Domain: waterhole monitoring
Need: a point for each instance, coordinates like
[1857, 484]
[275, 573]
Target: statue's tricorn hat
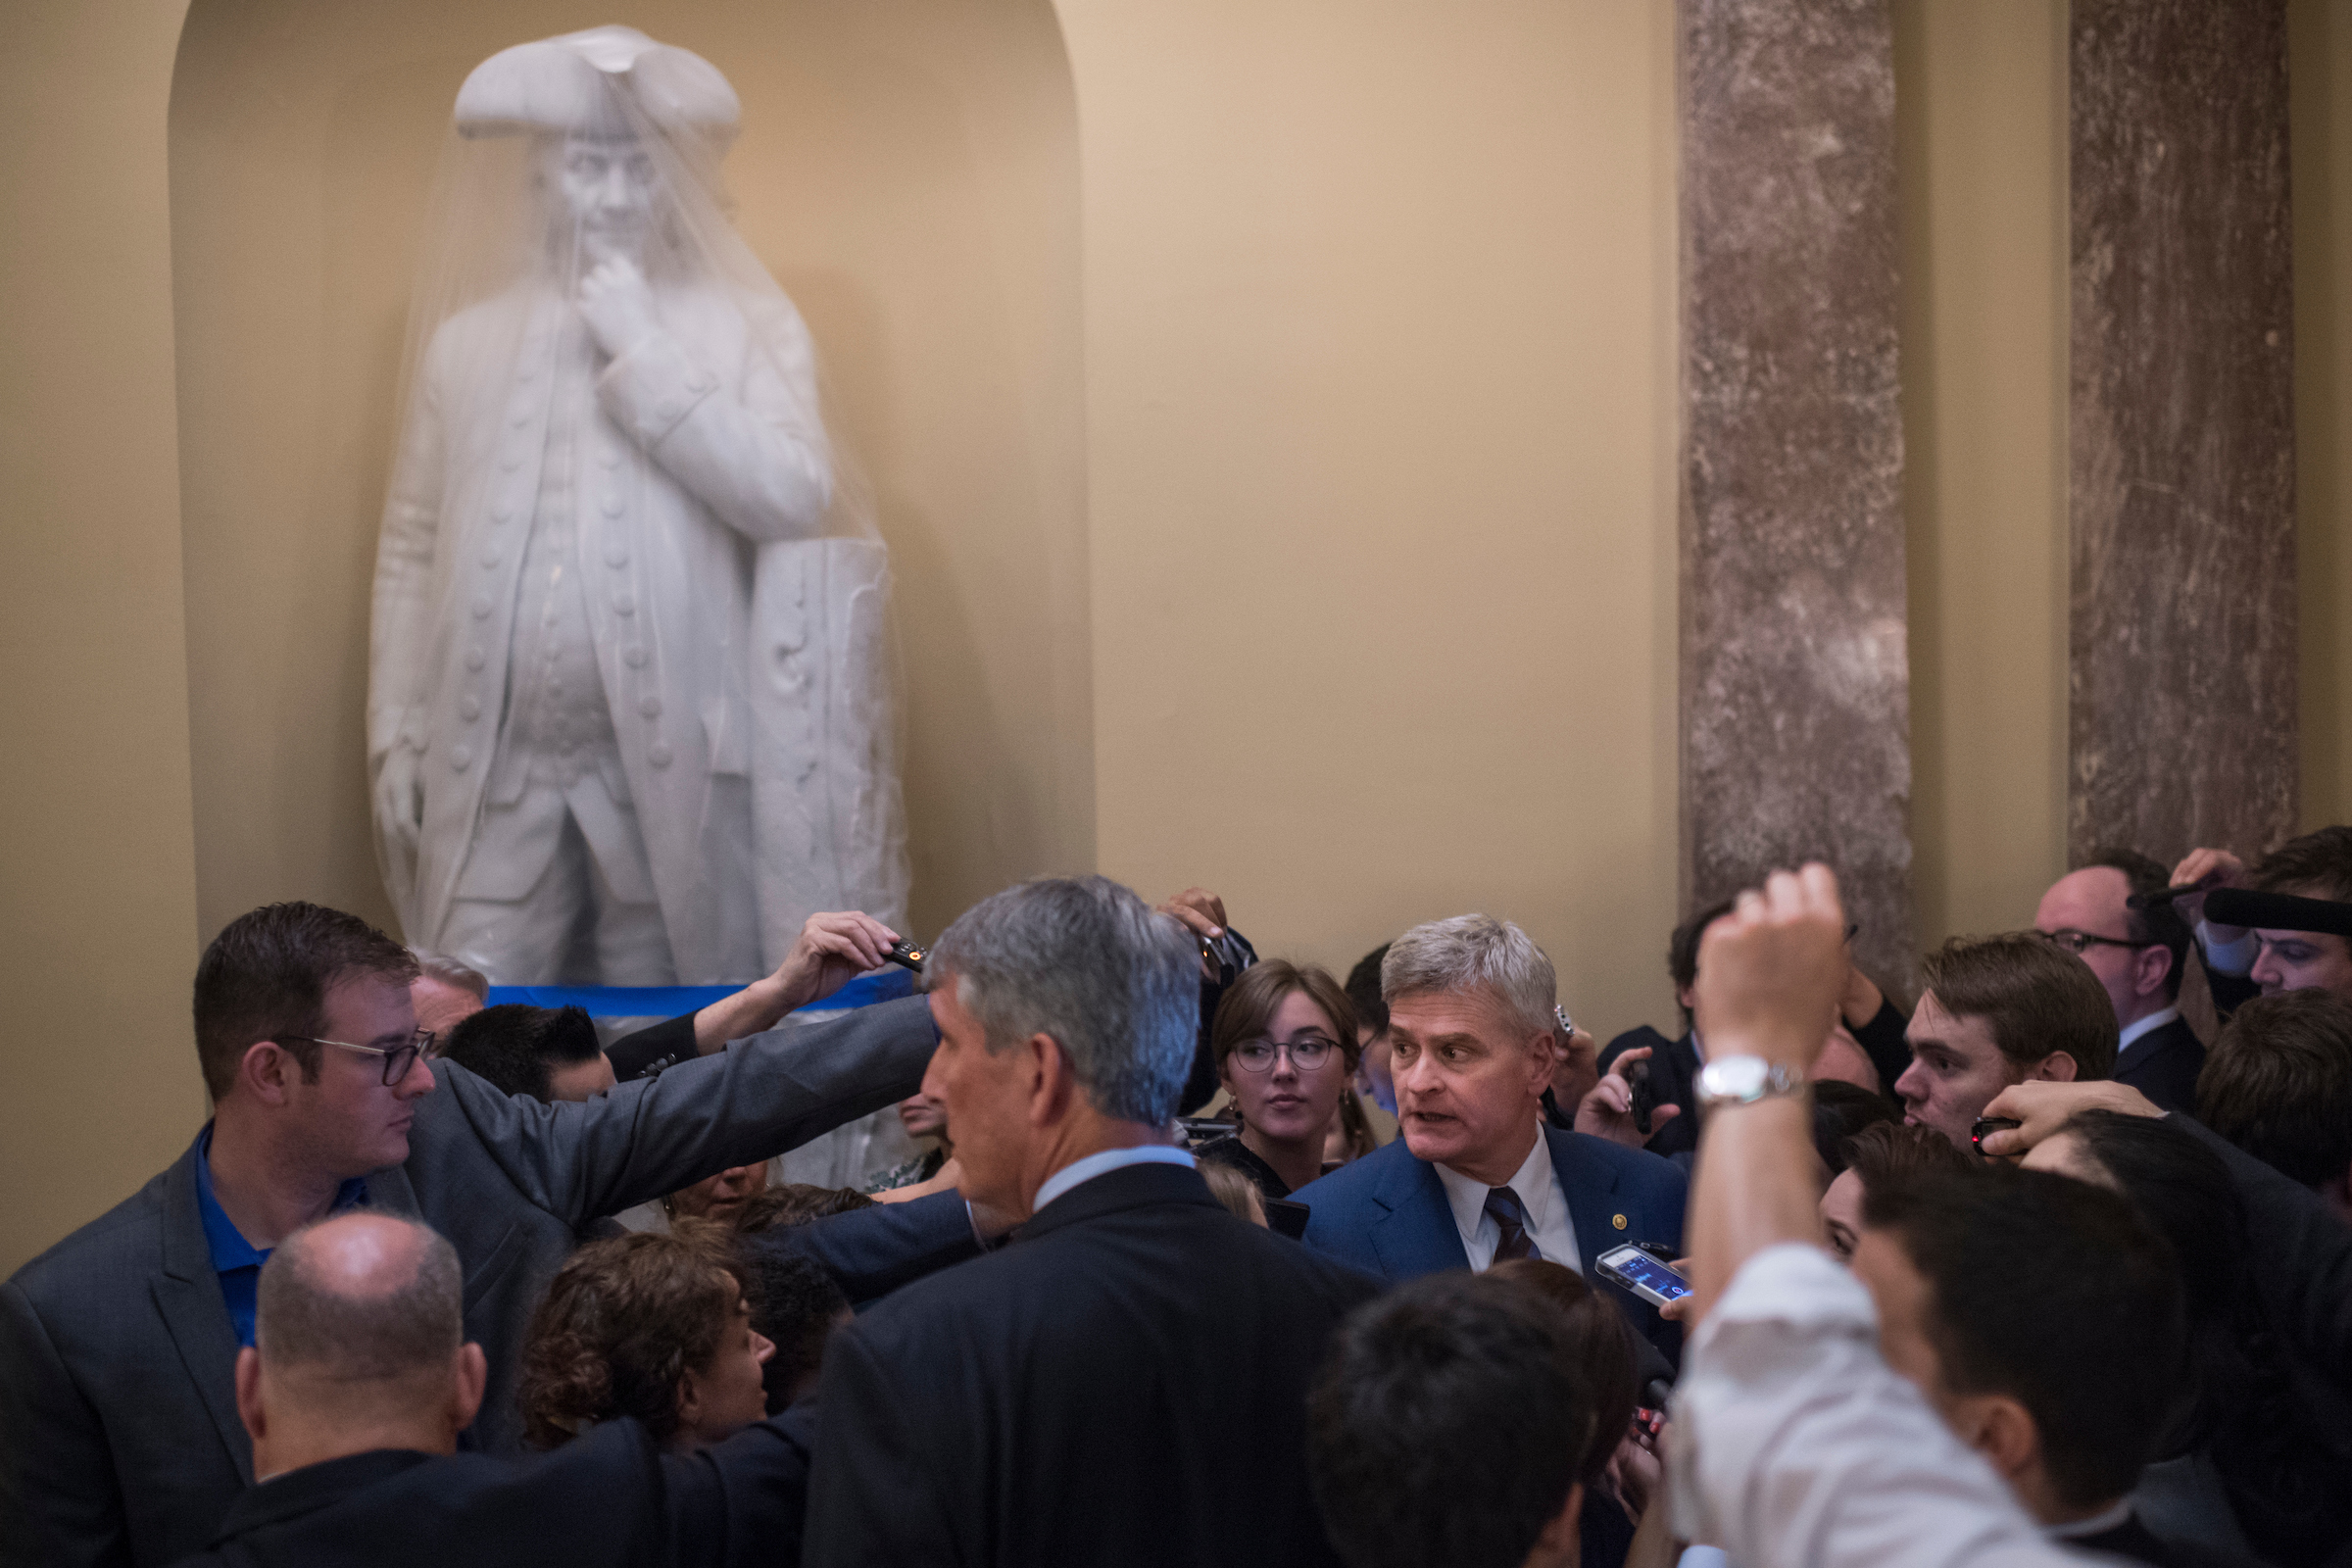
[571, 84]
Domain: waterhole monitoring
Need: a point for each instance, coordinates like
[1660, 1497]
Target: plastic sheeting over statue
[630, 717]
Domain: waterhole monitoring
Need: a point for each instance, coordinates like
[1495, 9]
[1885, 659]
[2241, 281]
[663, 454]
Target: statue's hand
[399, 795]
[617, 306]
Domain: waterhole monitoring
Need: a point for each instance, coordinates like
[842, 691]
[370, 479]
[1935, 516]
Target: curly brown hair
[624, 1322]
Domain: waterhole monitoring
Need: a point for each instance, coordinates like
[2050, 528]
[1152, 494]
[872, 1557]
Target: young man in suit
[1477, 1176]
[2138, 956]
[118, 1346]
[355, 1391]
[1125, 1381]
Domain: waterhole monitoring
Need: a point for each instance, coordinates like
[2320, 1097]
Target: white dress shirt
[1795, 1443]
[1538, 1185]
[2153, 1021]
[1109, 1159]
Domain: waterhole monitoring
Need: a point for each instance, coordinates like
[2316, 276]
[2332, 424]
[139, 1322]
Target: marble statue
[630, 717]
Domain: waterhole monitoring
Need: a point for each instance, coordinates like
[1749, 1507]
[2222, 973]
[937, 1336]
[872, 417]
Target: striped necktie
[1510, 1218]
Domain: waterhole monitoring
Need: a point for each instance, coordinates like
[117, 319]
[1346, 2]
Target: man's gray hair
[452, 972]
[1086, 962]
[1474, 953]
[308, 1322]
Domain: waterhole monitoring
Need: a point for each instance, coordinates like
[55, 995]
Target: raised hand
[832, 950]
[1202, 914]
[1770, 972]
[1609, 1110]
[2205, 870]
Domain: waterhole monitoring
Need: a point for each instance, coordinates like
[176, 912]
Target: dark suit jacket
[1125, 1383]
[1386, 1214]
[118, 1434]
[2305, 1277]
[607, 1498]
[2163, 1064]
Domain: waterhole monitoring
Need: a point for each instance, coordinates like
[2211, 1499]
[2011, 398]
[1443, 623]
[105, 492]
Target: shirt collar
[1467, 1196]
[1109, 1159]
[228, 1246]
[2098, 1524]
[2148, 1025]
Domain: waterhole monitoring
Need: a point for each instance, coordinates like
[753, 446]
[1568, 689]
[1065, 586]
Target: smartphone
[1642, 1274]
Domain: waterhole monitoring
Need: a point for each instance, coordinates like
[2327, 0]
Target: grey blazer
[119, 1442]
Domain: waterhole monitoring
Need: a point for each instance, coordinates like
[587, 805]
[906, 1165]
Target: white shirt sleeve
[1795, 1443]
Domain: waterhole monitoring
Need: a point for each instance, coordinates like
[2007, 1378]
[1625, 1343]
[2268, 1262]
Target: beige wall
[98, 920]
[1980, 147]
[908, 171]
[1271, 409]
[1380, 305]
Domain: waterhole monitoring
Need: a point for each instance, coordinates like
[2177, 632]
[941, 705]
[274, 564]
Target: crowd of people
[2034, 1271]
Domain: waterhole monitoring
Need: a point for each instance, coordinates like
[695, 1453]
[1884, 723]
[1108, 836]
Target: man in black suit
[2102, 913]
[119, 1442]
[1124, 1382]
[355, 1394]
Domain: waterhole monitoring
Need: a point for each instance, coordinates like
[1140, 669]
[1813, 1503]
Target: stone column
[1795, 675]
[2181, 656]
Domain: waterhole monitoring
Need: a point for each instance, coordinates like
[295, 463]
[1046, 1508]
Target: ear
[2002, 1430]
[1052, 1085]
[1543, 1058]
[472, 1373]
[1562, 1537]
[2058, 1067]
[2150, 967]
[268, 1071]
[249, 1394]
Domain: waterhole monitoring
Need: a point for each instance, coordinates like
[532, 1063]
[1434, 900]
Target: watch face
[1735, 1077]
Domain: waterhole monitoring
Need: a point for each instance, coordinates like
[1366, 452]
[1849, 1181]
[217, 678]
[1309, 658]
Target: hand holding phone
[1644, 1275]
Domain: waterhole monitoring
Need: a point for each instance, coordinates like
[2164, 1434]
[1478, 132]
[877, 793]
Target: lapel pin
[1617, 1221]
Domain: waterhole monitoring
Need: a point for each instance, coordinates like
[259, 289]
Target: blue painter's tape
[668, 1001]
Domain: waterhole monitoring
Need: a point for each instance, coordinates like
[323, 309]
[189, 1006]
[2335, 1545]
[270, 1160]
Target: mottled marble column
[2181, 657]
[1796, 676]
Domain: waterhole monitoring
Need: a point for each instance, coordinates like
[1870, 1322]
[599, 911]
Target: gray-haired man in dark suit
[119, 1442]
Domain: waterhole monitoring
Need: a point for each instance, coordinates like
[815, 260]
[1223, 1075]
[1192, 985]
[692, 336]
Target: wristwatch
[1745, 1080]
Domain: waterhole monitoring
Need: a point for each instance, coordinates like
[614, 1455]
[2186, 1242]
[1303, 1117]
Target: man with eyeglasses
[119, 1441]
[2109, 914]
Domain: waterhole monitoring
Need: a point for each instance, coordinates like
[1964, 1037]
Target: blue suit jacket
[1386, 1214]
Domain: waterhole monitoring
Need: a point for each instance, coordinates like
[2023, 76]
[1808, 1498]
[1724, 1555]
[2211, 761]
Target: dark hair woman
[1284, 1040]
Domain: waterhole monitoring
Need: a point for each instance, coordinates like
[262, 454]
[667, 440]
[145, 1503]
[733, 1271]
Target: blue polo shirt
[235, 1259]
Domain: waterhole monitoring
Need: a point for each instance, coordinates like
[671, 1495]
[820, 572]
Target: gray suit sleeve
[754, 1100]
[872, 1252]
[60, 1503]
[2305, 1275]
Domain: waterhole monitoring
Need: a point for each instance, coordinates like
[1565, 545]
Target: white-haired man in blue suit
[1478, 1177]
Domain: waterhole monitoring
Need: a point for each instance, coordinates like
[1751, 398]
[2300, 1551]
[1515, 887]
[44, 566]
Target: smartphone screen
[1642, 1269]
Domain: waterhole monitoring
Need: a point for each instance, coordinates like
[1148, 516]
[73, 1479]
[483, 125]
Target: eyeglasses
[398, 1059]
[1306, 1055]
[2079, 943]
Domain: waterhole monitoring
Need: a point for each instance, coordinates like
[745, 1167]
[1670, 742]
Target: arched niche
[908, 170]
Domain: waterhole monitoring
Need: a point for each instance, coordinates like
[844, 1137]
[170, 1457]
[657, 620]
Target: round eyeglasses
[1306, 1053]
[398, 1059]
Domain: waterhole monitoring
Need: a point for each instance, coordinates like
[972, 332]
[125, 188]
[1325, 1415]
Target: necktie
[1510, 1218]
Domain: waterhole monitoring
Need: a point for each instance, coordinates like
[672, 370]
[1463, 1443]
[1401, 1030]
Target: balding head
[358, 1336]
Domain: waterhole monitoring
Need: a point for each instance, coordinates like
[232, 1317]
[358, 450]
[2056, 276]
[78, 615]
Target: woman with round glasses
[1284, 1045]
